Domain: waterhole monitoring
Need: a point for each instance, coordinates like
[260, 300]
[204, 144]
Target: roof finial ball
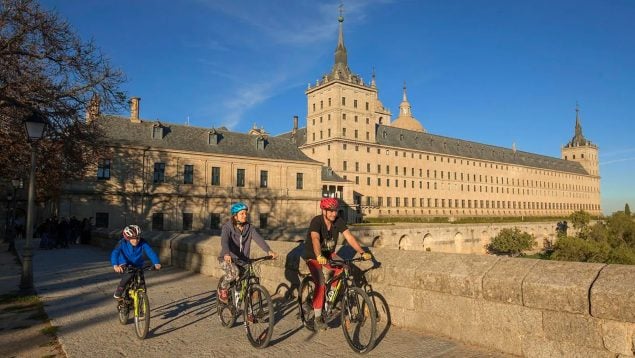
[341, 17]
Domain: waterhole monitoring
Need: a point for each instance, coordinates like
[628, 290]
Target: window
[343, 101]
[187, 221]
[157, 221]
[355, 103]
[240, 177]
[264, 178]
[103, 169]
[188, 174]
[263, 220]
[214, 221]
[101, 220]
[157, 132]
[215, 175]
[299, 181]
[159, 173]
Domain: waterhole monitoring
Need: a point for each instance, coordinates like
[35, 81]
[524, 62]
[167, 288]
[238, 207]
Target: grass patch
[51, 330]
[12, 298]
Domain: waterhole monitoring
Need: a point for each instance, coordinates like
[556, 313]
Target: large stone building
[396, 168]
[174, 177]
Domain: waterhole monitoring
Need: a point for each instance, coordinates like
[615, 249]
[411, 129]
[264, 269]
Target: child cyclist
[236, 236]
[129, 251]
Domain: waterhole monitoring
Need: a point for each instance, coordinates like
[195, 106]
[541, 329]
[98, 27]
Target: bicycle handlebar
[344, 261]
[251, 261]
[130, 268]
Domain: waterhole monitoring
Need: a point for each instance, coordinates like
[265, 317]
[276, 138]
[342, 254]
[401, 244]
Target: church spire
[578, 138]
[404, 107]
[340, 69]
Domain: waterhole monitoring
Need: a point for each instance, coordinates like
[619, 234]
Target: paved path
[76, 285]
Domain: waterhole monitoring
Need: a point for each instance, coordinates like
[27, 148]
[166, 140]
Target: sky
[496, 72]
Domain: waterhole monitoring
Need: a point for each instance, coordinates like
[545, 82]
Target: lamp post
[35, 125]
[16, 184]
[8, 220]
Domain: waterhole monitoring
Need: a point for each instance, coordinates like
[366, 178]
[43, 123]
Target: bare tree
[48, 70]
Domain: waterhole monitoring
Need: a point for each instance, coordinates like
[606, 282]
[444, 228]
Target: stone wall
[524, 307]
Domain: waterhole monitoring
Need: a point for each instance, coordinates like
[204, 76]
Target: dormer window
[157, 131]
[213, 137]
[261, 142]
[401, 137]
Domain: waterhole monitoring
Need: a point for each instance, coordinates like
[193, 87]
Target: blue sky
[490, 71]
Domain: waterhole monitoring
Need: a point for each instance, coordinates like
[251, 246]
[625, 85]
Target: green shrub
[511, 242]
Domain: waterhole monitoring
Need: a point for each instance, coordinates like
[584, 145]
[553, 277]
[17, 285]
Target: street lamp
[35, 125]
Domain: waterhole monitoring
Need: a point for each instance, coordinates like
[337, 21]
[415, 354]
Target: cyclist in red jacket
[319, 246]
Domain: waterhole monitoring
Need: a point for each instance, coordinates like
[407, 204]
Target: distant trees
[511, 242]
[627, 210]
[47, 70]
[609, 241]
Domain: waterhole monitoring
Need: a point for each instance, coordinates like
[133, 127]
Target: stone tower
[341, 110]
[581, 150]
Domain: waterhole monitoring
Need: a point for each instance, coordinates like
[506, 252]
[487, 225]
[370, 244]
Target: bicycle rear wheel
[226, 311]
[359, 320]
[305, 302]
[258, 316]
[142, 317]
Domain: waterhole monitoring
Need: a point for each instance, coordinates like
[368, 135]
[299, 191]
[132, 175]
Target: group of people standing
[237, 234]
[60, 233]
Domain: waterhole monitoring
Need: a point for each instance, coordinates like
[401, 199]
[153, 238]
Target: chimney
[134, 109]
[295, 124]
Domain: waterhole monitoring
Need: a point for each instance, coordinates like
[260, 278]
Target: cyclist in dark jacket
[129, 251]
[236, 237]
[319, 247]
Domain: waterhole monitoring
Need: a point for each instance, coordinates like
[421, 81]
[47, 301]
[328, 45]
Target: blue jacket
[126, 254]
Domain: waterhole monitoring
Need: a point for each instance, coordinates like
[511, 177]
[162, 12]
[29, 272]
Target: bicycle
[136, 297]
[258, 316]
[356, 310]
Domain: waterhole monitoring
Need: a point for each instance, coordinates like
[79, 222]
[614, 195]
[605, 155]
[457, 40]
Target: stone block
[456, 274]
[504, 326]
[503, 283]
[402, 297]
[582, 330]
[536, 347]
[619, 337]
[560, 286]
[613, 293]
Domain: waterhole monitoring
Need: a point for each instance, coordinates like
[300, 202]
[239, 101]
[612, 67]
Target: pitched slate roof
[329, 175]
[407, 139]
[121, 131]
[402, 138]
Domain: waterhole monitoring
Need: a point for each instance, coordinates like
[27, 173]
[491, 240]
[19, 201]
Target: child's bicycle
[342, 297]
[136, 299]
[257, 310]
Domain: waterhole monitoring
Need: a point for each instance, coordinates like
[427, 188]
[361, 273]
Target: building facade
[398, 169]
[174, 177]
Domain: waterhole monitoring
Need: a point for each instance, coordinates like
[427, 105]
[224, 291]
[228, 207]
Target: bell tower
[581, 150]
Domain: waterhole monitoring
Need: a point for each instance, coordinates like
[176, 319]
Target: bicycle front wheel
[226, 311]
[359, 320]
[142, 315]
[258, 315]
[122, 308]
[305, 302]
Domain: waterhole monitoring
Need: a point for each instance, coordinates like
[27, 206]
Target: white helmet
[131, 232]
